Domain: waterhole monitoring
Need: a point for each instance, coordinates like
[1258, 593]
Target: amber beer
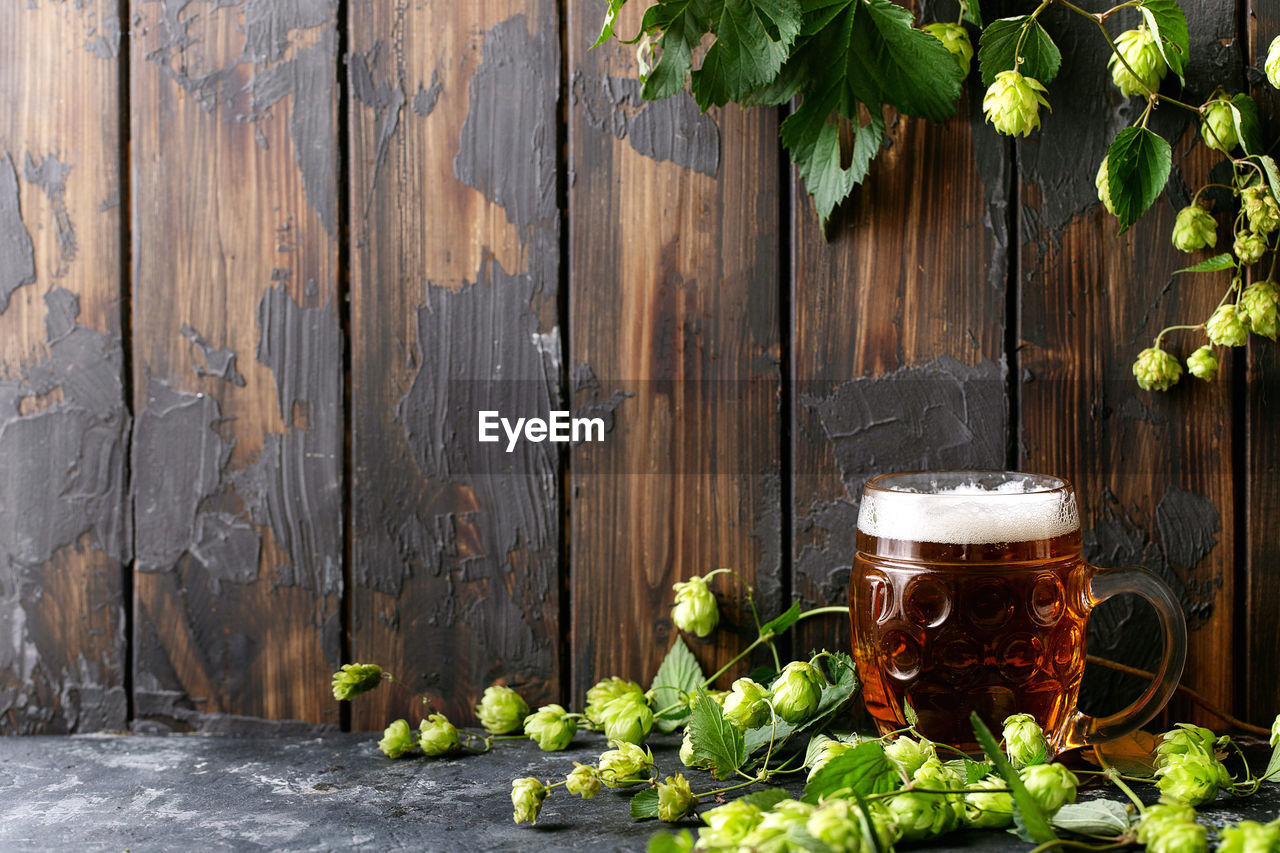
[969, 593]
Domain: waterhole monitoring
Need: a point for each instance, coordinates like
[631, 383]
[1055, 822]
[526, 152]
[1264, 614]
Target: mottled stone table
[193, 792]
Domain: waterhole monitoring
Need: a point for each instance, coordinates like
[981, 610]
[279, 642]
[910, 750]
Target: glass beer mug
[969, 593]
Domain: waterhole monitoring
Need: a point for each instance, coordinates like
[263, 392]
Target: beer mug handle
[1103, 584]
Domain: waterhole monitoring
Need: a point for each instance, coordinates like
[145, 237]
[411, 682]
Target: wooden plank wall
[262, 263]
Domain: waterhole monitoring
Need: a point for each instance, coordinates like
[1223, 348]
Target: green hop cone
[1192, 779]
[695, 610]
[354, 679]
[605, 692]
[1050, 785]
[686, 750]
[1024, 741]
[746, 707]
[837, 823]
[829, 750]
[1225, 328]
[1142, 53]
[1249, 247]
[955, 38]
[727, 825]
[1258, 304]
[437, 736]
[776, 825]
[1272, 65]
[1275, 731]
[797, 690]
[985, 808]
[1203, 364]
[583, 782]
[1249, 836]
[675, 798]
[1184, 739]
[921, 816]
[397, 740]
[1194, 229]
[1261, 209]
[527, 795]
[625, 765]
[550, 727]
[1179, 837]
[501, 710]
[628, 719]
[1102, 182]
[908, 754]
[1012, 103]
[1156, 370]
[1219, 126]
[1155, 817]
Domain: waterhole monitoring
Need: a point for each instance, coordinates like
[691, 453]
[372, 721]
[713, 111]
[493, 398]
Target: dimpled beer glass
[969, 593]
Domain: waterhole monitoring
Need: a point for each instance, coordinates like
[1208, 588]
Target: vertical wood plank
[898, 336]
[1261, 581]
[1153, 471]
[674, 296]
[237, 451]
[64, 424]
[455, 282]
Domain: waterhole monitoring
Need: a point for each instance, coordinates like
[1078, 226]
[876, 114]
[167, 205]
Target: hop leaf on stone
[397, 740]
[1012, 103]
[1141, 53]
[354, 679]
[695, 610]
[527, 795]
[501, 710]
[1156, 370]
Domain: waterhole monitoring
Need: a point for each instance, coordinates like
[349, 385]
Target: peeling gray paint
[103, 39]
[220, 363]
[943, 414]
[507, 147]
[669, 129]
[295, 485]
[424, 100]
[587, 402]
[17, 254]
[268, 24]
[386, 99]
[50, 175]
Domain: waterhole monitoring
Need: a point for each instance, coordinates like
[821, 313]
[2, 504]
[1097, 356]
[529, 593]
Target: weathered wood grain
[1261, 581]
[64, 423]
[1153, 471]
[455, 282]
[898, 336]
[237, 450]
[675, 252]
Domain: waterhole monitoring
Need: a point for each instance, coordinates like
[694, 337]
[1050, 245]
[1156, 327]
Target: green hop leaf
[828, 750]
[1012, 103]
[625, 765]
[610, 18]
[397, 740]
[527, 795]
[1050, 785]
[797, 690]
[1219, 126]
[1156, 370]
[955, 38]
[1203, 364]
[354, 679]
[752, 42]
[1249, 836]
[1261, 208]
[1166, 19]
[550, 728]
[1140, 49]
[695, 610]
[1225, 329]
[583, 781]
[674, 682]
[715, 743]
[1272, 64]
[683, 24]
[1195, 228]
[1024, 741]
[675, 798]
[501, 710]
[1138, 164]
[998, 50]
[861, 771]
[437, 736]
[985, 808]
[747, 704]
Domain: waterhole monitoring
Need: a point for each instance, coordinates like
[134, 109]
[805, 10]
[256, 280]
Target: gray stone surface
[197, 792]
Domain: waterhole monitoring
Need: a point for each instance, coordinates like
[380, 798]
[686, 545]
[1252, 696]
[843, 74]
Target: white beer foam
[969, 514]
